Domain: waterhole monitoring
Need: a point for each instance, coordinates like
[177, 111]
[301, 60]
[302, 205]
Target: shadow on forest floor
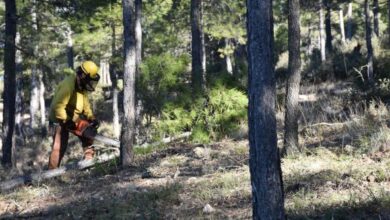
[178, 181]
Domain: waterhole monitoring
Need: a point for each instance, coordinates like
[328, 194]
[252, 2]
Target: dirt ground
[342, 173]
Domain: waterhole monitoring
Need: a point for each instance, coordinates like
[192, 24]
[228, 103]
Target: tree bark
[341, 21]
[328, 26]
[19, 89]
[42, 106]
[138, 32]
[349, 22]
[127, 133]
[376, 17]
[197, 52]
[138, 40]
[8, 141]
[228, 59]
[264, 161]
[309, 48]
[114, 80]
[35, 84]
[291, 142]
[322, 33]
[370, 53]
[388, 17]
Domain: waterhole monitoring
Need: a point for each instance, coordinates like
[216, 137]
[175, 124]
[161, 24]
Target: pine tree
[127, 133]
[370, 53]
[8, 148]
[291, 143]
[198, 48]
[264, 161]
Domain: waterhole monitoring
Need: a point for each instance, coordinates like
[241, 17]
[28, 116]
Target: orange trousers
[60, 143]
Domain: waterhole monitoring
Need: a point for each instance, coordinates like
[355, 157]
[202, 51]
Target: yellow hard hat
[90, 68]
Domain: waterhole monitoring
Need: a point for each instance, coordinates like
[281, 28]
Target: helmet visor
[91, 83]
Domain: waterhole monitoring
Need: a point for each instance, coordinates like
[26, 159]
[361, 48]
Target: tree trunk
[349, 22]
[114, 88]
[388, 17]
[228, 59]
[42, 106]
[35, 84]
[342, 30]
[322, 33]
[376, 17]
[328, 26]
[19, 89]
[291, 143]
[127, 133]
[240, 58]
[8, 144]
[370, 53]
[69, 47]
[138, 40]
[138, 32]
[309, 48]
[264, 161]
[197, 52]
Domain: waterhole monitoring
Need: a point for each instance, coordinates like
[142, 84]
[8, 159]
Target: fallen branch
[167, 140]
[80, 165]
[38, 177]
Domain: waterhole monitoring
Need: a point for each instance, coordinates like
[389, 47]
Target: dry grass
[343, 173]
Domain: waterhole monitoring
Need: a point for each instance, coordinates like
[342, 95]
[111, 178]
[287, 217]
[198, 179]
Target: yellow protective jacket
[69, 103]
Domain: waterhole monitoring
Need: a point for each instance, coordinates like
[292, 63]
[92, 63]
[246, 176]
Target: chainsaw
[91, 132]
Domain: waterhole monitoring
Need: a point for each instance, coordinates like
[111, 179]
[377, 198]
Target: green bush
[209, 118]
[160, 80]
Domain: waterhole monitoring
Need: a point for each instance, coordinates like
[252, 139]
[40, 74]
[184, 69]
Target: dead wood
[38, 177]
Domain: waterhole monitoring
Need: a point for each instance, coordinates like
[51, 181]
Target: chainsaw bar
[106, 140]
[91, 132]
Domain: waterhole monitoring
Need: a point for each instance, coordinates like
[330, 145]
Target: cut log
[38, 177]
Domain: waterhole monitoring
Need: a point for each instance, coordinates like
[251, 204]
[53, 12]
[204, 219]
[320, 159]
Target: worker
[70, 111]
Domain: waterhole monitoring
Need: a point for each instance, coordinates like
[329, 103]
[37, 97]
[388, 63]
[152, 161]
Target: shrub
[160, 79]
[217, 115]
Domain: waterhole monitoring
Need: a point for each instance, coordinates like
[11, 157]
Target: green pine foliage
[160, 81]
[213, 117]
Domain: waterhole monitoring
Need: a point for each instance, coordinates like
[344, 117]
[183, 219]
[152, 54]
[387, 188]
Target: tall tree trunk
[35, 84]
[69, 47]
[138, 40]
[328, 26]
[322, 32]
[291, 143]
[309, 48]
[8, 141]
[138, 32]
[114, 80]
[19, 89]
[349, 22]
[240, 58]
[388, 17]
[42, 106]
[376, 17]
[197, 52]
[228, 59]
[370, 53]
[129, 76]
[264, 161]
[342, 29]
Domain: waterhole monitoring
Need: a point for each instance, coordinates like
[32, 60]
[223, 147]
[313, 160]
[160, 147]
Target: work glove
[94, 123]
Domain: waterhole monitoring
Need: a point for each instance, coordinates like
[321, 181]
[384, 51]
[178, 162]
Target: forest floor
[343, 173]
